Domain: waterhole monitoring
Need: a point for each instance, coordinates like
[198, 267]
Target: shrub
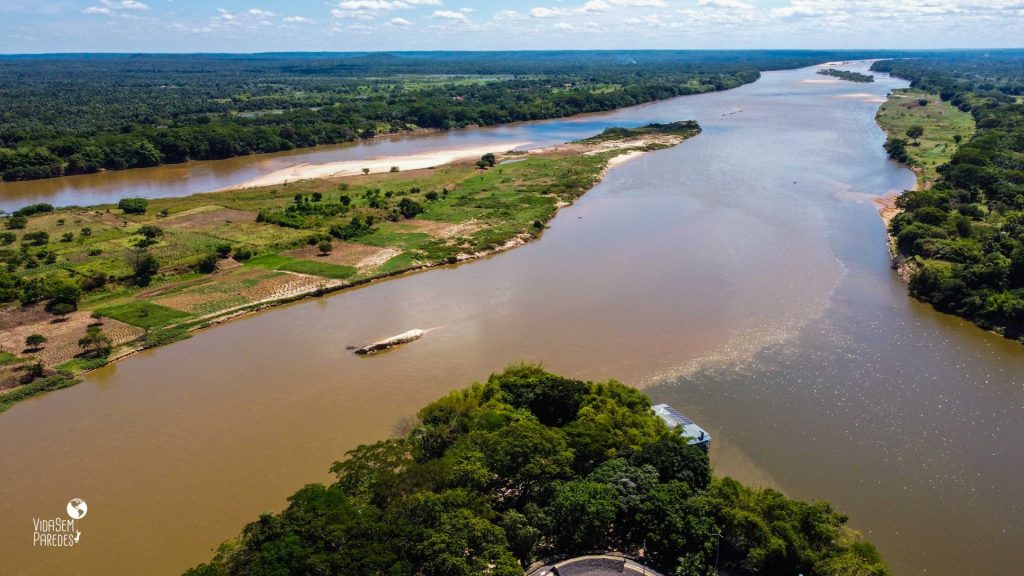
[144, 266]
[150, 232]
[16, 222]
[409, 208]
[242, 253]
[35, 341]
[133, 205]
[96, 342]
[33, 209]
[207, 264]
[39, 238]
[62, 309]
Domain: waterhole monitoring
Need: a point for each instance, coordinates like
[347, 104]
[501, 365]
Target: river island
[98, 283]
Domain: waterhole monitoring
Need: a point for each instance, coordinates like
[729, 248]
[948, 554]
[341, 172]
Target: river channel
[741, 276]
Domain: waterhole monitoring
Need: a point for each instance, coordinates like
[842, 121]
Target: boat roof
[674, 419]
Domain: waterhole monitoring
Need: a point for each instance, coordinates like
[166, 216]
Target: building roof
[674, 419]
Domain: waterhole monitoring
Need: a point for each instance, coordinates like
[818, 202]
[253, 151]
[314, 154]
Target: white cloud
[124, 5]
[508, 15]
[450, 16]
[594, 6]
[543, 12]
[729, 4]
[110, 7]
[372, 5]
[640, 3]
[352, 14]
[399, 22]
[261, 13]
[298, 20]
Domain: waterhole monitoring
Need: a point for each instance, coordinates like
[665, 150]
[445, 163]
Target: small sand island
[106, 281]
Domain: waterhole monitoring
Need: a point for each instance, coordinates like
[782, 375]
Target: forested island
[531, 466]
[82, 286]
[77, 114]
[847, 75]
[963, 237]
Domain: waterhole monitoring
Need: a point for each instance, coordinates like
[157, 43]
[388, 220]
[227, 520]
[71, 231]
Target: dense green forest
[530, 466]
[965, 235]
[73, 114]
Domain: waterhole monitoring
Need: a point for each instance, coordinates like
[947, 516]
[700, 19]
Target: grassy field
[230, 252]
[941, 122]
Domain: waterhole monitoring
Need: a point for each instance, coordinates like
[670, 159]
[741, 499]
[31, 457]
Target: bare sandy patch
[863, 97]
[378, 259]
[61, 336]
[228, 264]
[342, 253]
[887, 208]
[445, 229]
[206, 216]
[375, 165]
[623, 158]
[287, 285]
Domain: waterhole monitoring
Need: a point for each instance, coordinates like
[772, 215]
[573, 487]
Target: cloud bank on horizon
[30, 26]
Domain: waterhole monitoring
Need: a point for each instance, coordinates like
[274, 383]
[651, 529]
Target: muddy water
[741, 276]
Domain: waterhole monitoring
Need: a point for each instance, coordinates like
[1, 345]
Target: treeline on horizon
[966, 233]
[76, 114]
[532, 466]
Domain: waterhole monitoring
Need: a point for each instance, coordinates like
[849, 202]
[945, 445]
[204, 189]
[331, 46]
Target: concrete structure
[686, 427]
[603, 565]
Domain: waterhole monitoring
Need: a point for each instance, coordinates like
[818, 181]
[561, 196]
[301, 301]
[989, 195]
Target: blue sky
[28, 26]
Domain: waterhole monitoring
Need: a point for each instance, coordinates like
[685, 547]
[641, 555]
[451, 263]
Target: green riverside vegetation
[924, 131]
[964, 236]
[531, 466]
[847, 75]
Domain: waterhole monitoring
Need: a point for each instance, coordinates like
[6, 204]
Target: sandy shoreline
[430, 159]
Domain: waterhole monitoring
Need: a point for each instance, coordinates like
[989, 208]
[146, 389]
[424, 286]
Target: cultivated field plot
[61, 335]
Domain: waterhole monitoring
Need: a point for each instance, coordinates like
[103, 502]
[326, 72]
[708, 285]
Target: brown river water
[741, 276]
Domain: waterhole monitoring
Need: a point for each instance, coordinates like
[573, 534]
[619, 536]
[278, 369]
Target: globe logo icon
[77, 508]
